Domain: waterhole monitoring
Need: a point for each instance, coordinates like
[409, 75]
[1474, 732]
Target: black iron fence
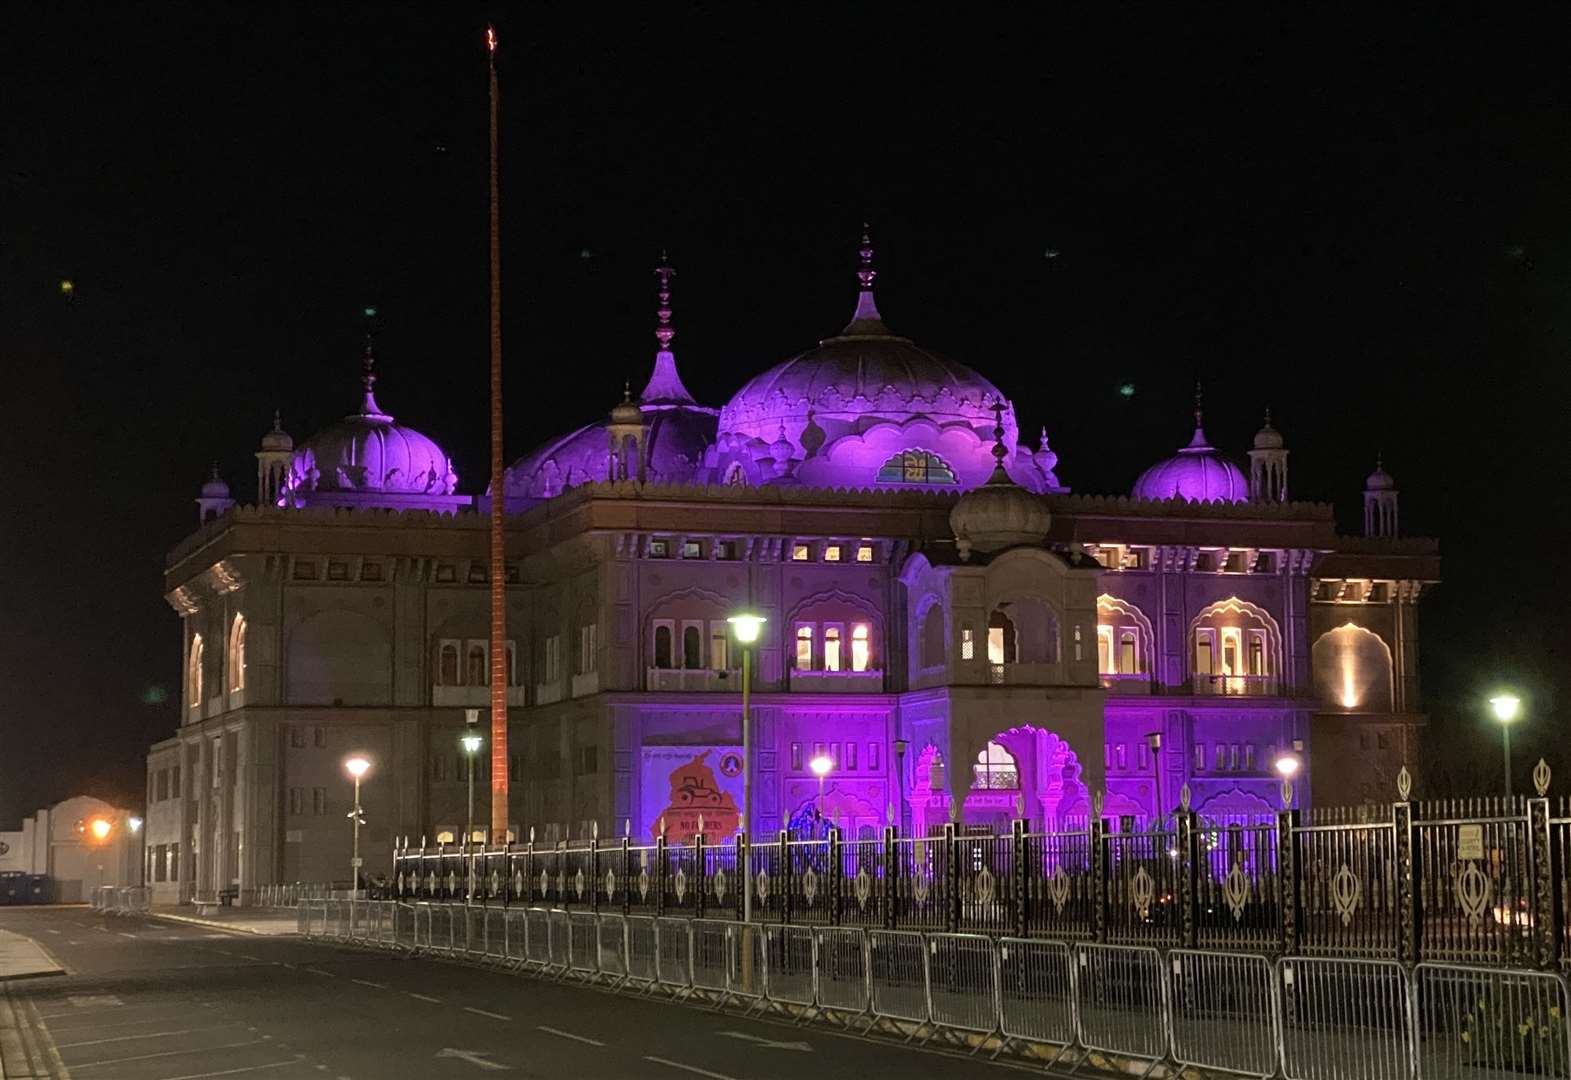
[1478, 881]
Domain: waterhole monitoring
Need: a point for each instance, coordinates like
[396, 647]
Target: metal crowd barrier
[1303, 1018]
[121, 899]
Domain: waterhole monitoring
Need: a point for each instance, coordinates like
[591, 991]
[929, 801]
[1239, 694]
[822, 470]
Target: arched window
[916, 467]
[474, 665]
[692, 646]
[831, 648]
[1128, 655]
[193, 672]
[735, 475]
[1001, 647]
[663, 647]
[995, 770]
[933, 637]
[447, 664]
[804, 648]
[237, 654]
[861, 647]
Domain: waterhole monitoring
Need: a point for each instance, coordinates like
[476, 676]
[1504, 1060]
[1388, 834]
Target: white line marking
[482, 1012]
[128, 1038]
[568, 1035]
[422, 997]
[131, 936]
[231, 1072]
[54, 931]
[83, 1010]
[319, 971]
[164, 1054]
[662, 1061]
[368, 982]
[253, 959]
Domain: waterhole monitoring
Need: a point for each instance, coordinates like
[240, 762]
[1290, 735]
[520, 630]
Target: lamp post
[822, 766]
[900, 775]
[1506, 707]
[134, 823]
[357, 767]
[471, 744]
[746, 627]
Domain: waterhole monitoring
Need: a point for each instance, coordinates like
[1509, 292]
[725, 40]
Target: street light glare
[1506, 707]
[821, 765]
[747, 627]
[100, 828]
[1287, 765]
[357, 767]
[135, 823]
[470, 743]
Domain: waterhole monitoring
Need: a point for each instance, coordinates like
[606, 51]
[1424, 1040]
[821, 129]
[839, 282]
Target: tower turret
[1268, 465]
[272, 463]
[1380, 492]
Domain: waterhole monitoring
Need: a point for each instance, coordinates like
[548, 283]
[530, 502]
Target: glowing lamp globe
[135, 823]
[100, 828]
[747, 627]
[470, 743]
[357, 767]
[1505, 707]
[1287, 766]
[821, 766]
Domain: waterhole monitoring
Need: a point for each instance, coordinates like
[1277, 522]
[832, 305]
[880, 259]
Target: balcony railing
[693, 679]
[473, 697]
[838, 682]
[1236, 685]
[1122, 684]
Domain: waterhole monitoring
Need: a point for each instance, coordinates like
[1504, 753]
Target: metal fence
[1300, 1017]
[1481, 881]
[121, 899]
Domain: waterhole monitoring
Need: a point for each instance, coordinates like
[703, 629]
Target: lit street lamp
[747, 626]
[822, 767]
[1506, 707]
[471, 744]
[357, 767]
[1287, 766]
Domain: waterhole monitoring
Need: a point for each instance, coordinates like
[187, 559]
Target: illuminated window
[1104, 650]
[967, 643]
[447, 664]
[659, 549]
[831, 648]
[1000, 639]
[861, 647]
[237, 654]
[864, 553]
[916, 467]
[692, 549]
[995, 769]
[474, 665]
[804, 648]
[725, 549]
[718, 646]
[833, 553]
[446, 836]
[1127, 662]
[1257, 654]
[1204, 664]
[663, 635]
[193, 672]
[800, 553]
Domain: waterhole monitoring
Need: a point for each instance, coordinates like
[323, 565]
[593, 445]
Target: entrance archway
[1023, 771]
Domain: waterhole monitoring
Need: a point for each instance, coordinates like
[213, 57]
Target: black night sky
[1366, 228]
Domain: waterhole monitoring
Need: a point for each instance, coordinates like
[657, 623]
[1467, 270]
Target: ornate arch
[1147, 635]
[1237, 606]
[1349, 696]
[236, 658]
[836, 596]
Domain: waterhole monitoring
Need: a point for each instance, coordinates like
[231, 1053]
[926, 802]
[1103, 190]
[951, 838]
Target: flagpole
[498, 574]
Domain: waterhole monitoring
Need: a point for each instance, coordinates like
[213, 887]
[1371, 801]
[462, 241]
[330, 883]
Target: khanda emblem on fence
[1346, 892]
[680, 883]
[984, 886]
[919, 882]
[578, 883]
[763, 885]
[1474, 890]
[496, 882]
[610, 884]
[1142, 890]
[545, 883]
[719, 882]
[518, 883]
[1235, 890]
[643, 875]
[863, 887]
[809, 886]
[1058, 889]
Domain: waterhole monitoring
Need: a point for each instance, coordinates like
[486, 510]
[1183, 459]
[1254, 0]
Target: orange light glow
[490, 39]
[100, 828]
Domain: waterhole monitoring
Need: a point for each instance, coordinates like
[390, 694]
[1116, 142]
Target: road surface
[145, 999]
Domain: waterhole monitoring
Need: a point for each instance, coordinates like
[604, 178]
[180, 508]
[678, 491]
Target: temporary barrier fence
[1307, 1018]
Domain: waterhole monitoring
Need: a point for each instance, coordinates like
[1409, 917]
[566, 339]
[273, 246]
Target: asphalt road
[145, 999]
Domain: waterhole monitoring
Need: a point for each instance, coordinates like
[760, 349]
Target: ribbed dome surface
[372, 453]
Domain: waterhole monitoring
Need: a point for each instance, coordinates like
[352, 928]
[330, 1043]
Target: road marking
[422, 997]
[149, 1035]
[568, 1035]
[253, 959]
[231, 1072]
[761, 1041]
[167, 1053]
[368, 982]
[54, 931]
[470, 1056]
[319, 971]
[124, 934]
[674, 1065]
[482, 1012]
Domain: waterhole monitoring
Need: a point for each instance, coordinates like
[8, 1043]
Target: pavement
[23, 958]
[144, 998]
[269, 922]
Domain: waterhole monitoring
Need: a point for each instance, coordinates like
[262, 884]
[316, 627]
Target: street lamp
[471, 744]
[356, 767]
[747, 626]
[1287, 766]
[822, 766]
[1506, 707]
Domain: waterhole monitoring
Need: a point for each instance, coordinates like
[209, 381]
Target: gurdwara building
[950, 630]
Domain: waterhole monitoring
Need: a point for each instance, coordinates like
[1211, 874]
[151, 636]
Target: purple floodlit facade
[958, 634]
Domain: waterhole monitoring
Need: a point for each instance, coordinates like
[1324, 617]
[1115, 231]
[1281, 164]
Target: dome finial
[368, 405]
[627, 391]
[278, 420]
[866, 321]
[1199, 442]
[999, 453]
[665, 385]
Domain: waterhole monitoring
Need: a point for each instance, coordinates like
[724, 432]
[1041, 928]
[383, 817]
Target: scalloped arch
[1147, 635]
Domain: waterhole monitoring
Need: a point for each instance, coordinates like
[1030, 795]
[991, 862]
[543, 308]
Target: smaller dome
[1268, 437]
[627, 410]
[214, 487]
[1196, 473]
[1000, 513]
[1380, 480]
[278, 439]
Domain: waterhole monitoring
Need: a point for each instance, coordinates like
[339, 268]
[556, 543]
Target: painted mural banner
[682, 784]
